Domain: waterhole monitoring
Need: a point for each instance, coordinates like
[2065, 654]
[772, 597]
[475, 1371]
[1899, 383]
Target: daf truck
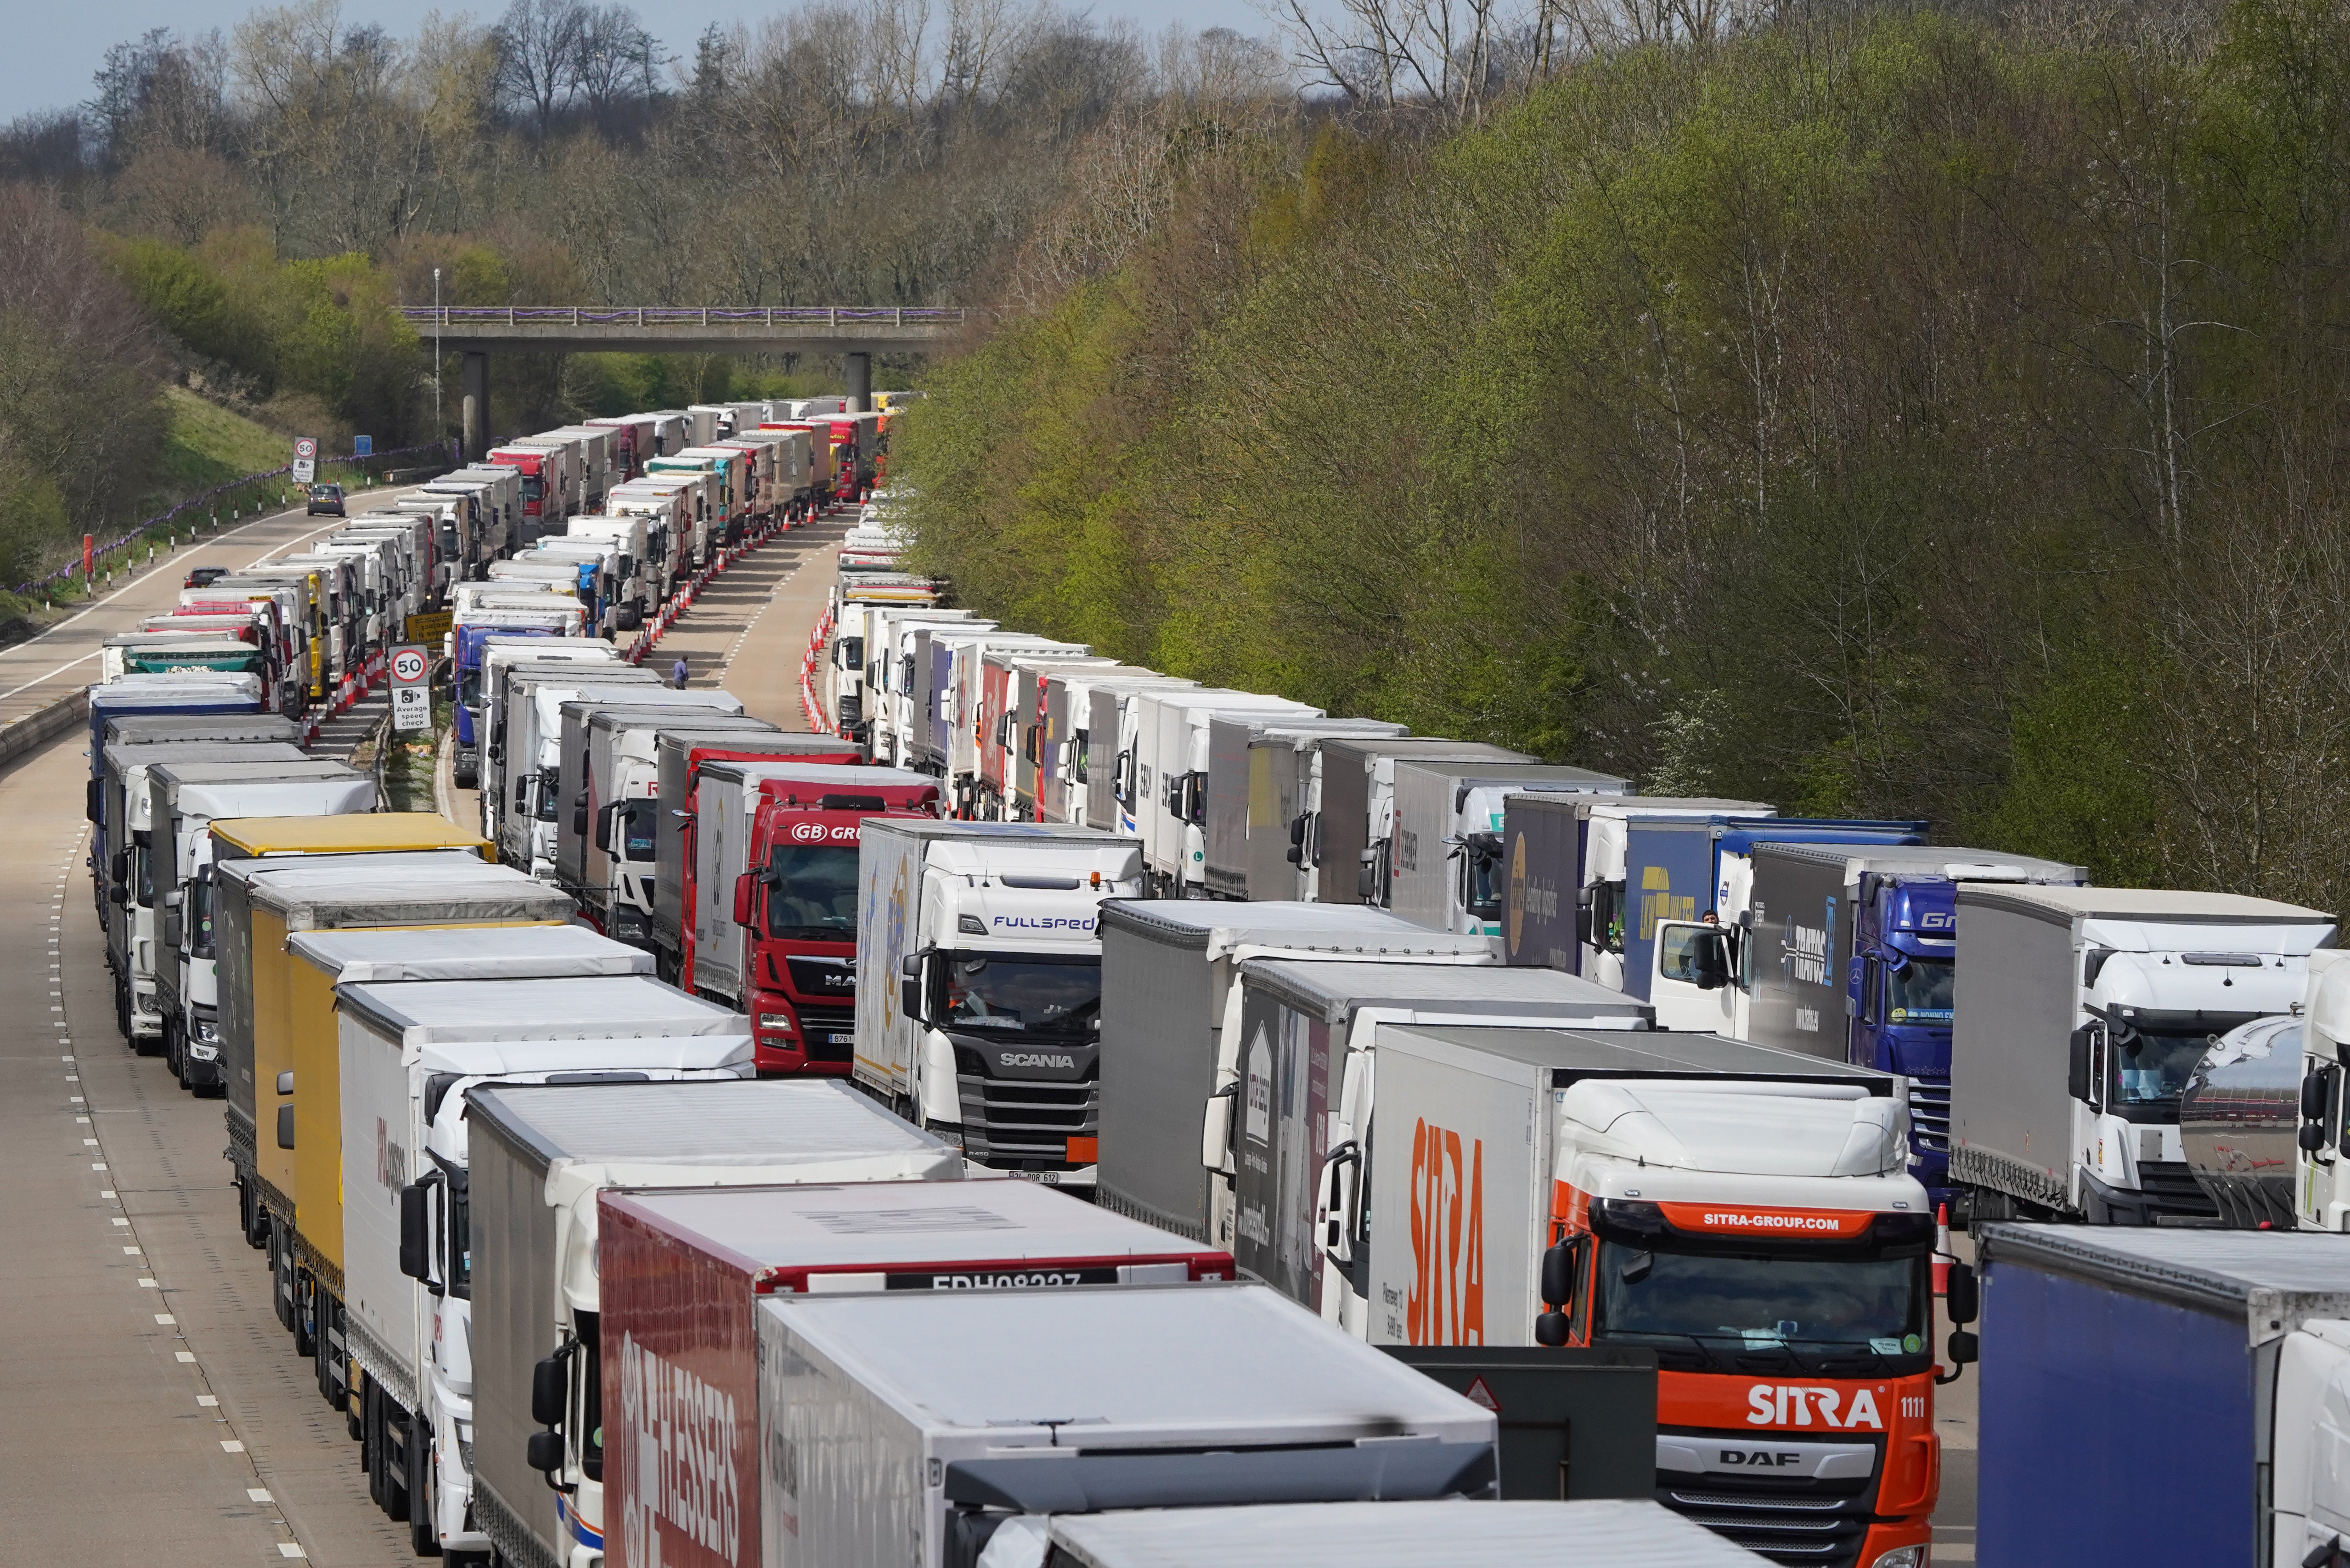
[2080, 1013]
[1745, 1213]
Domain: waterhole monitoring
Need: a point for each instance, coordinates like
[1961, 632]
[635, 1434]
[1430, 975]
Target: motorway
[154, 1410]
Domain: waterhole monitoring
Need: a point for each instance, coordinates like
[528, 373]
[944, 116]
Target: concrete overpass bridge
[855, 333]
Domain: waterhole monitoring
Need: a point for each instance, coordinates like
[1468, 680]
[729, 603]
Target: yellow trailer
[341, 893]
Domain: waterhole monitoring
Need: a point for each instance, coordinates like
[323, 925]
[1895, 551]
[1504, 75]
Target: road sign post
[411, 688]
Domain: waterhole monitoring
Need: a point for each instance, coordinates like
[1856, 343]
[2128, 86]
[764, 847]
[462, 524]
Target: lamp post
[436, 354]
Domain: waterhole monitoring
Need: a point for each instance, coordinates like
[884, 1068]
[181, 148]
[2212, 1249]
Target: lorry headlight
[777, 1023]
[206, 1030]
[465, 1446]
[1901, 1557]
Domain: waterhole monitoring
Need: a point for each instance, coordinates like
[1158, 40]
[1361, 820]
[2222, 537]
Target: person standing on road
[677, 672]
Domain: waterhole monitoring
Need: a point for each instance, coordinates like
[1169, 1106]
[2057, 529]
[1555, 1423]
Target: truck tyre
[422, 1538]
[248, 1214]
[171, 1053]
[305, 1304]
[372, 1444]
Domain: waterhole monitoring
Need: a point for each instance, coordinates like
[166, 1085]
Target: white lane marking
[230, 1446]
[187, 1355]
[208, 1400]
[257, 1493]
[165, 1318]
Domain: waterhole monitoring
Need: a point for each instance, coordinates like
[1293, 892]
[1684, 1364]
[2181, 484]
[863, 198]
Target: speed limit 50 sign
[412, 691]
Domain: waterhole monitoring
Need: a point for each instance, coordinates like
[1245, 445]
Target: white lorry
[407, 1046]
[540, 1157]
[501, 658]
[896, 676]
[979, 1015]
[2080, 1013]
[618, 860]
[1191, 1394]
[1444, 853]
[1172, 777]
[637, 595]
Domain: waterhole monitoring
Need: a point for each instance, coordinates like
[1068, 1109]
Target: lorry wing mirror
[1216, 1125]
[579, 815]
[117, 893]
[604, 826]
[93, 800]
[1963, 1296]
[2079, 1076]
[1336, 1207]
[548, 1389]
[286, 1083]
[1562, 1268]
[416, 1231]
[743, 885]
[286, 1127]
[169, 925]
[545, 1451]
[910, 987]
[2314, 1092]
[1965, 1350]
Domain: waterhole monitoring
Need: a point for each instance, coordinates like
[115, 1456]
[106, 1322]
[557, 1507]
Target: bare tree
[538, 44]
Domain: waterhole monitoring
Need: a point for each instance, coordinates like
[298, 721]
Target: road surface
[153, 1408]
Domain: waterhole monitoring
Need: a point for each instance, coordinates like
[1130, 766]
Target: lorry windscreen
[1919, 991]
[1767, 1300]
[2150, 1068]
[812, 892]
[1025, 995]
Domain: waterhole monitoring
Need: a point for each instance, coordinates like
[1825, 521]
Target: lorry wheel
[248, 1214]
[422, 1538]
[372, 1444]
[305, 1328]
[171, 1055]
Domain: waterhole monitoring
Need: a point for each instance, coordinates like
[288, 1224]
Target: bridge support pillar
[477, 406]
[856, 369]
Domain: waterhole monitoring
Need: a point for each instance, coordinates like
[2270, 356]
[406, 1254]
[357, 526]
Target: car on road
[204, 576]
[327, 498]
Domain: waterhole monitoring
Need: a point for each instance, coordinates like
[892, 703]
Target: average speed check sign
[305, 459]
[411, 692]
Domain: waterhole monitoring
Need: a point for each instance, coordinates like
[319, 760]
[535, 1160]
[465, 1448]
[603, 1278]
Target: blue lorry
[1850, 951]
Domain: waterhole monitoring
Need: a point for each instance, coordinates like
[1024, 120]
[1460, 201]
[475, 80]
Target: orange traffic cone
[1943, 1249]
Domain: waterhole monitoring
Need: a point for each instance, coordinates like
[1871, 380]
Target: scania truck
[1746, 1214]
[982, 1014]
[775, 846]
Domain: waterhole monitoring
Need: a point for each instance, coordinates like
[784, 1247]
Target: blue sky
[57, 48]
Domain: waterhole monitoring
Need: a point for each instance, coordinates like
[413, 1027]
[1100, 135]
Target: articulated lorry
[1247, 813]
[776, 850]
[1597, 1533]
[540, 1158]
[1170, 774]
[1344, 845]
[249, 961]
[682, 1275]
[1443, 865]
[413, 1047]
[502, 658]
[2079, 1015]
[981, 1017]
[293, 1023]
[176, 965]
[1745, 1213]
[681, 751]
[1846, 953]
[1300, 1022]
[118, 801]
[583, 778]
[617, 860]
[2095, 1341]
[1169, 1000]
[1237, 1398]
[522, 761]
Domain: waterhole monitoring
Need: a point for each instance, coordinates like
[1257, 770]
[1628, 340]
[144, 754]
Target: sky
[58, 47]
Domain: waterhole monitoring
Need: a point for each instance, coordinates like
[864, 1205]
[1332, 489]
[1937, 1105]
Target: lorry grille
[828, 1033]
[1018, 1124]
[2173, 1187]
[1929, 1114]
[1818, 1523]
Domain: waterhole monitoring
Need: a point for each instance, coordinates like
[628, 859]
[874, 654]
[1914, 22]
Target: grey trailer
[1300, 1026]
[1167, 973]
[1340, 832]
[920, 1424]
[1236, 805]
[1440, 864]
[1600, 1533]
[574, 795]
[2079, 1015]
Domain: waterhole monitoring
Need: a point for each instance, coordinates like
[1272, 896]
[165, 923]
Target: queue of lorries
[1502, 1071]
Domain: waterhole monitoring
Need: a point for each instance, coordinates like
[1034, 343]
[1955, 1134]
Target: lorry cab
[1742, 1213]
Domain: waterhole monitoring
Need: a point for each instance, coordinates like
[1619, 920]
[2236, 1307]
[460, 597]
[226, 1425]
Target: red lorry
[775, 909]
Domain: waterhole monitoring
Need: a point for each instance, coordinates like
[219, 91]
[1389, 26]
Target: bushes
[1895, 417]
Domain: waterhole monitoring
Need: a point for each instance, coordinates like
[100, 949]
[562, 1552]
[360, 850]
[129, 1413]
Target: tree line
[1915, 413]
